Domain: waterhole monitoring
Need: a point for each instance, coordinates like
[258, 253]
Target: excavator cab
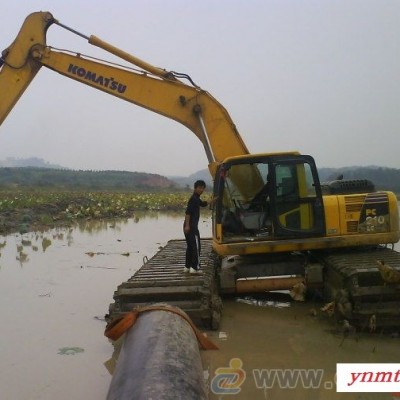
[268, 197]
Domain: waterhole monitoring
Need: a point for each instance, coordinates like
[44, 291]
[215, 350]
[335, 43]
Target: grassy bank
[22, 211]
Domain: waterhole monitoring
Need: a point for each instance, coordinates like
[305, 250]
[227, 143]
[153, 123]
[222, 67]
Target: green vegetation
[30, 210]
[87, 204]
[45, 178]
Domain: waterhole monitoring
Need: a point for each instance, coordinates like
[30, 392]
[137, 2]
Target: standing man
[191, 230]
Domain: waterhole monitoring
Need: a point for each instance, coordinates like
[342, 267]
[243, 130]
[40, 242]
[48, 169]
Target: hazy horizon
[24, 162]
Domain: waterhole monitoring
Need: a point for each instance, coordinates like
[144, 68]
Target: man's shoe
[194, 271]
[186, 269]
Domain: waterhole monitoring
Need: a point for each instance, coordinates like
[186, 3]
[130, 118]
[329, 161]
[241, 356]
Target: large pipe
[159, 358]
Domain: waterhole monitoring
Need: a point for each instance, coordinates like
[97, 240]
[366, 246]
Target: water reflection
[22, 257]
[95, 226]
[54, 296]
[45, 244]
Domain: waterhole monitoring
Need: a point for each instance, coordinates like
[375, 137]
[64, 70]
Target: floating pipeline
[159, 355]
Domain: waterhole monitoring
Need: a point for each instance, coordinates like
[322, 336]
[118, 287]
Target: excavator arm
[17, 67]
[153, 88]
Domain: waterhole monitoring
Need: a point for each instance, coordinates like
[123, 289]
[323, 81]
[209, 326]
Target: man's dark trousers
[193, 249]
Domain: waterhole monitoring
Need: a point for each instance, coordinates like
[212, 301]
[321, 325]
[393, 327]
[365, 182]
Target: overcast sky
[317, 76]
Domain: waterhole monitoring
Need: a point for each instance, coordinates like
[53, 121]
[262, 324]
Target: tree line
[62, 179]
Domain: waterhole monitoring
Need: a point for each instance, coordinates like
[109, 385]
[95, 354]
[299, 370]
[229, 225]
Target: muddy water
[266, 338]
[55, 288]
[264, 341]
[53, 297]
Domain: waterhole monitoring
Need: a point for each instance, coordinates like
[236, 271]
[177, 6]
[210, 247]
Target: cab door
[296, 199]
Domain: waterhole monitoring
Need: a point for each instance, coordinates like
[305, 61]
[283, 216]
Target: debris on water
[92, 254]
[389, 274]
[263, 303]
[223, 336]
[298, 291]
[372, 323]
[45, 294]
[343, 305]
[346, 329]
[329, 308]
[313, 312]
[70, 351]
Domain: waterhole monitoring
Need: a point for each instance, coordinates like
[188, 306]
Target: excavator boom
[154, 88]
[18, 68]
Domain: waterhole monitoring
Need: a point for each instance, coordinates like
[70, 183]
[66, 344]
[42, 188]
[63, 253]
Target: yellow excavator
[274, 224]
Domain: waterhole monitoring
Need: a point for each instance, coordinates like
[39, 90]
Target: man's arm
[208, 203]
[186, 226]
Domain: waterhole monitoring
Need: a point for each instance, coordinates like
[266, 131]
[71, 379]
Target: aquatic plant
[20, 210]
